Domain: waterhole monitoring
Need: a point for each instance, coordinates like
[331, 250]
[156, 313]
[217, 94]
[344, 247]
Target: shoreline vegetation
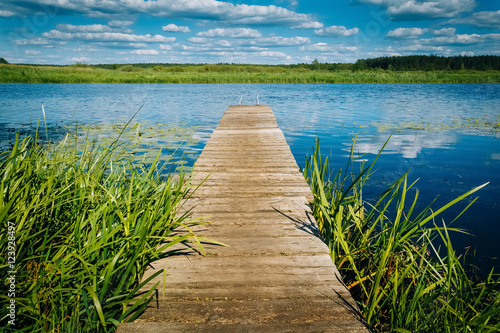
[83, 226]
[396, 258]
[410, 69]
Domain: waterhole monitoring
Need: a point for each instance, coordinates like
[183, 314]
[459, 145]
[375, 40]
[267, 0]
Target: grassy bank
[79, 227]
[231, 74]
[399, 263]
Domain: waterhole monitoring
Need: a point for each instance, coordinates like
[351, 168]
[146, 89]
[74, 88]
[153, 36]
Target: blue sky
[243, 31]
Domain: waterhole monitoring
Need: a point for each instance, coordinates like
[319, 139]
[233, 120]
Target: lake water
[446, 135]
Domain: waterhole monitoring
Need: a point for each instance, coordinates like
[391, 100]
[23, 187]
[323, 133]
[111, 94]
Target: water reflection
[407, 145]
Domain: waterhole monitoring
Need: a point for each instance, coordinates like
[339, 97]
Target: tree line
[430, 63]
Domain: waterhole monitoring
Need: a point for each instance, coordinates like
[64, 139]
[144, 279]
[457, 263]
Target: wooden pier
[276, 274]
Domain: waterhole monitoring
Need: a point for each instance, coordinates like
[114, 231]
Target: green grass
[230, 74]
[389, 256]
[84, 230]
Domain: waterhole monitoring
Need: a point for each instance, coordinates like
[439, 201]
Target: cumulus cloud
[463, 39]
[199, 40]
[32, 41]
[329, 48]
[411, 10]
[6, 13]
[175, 28]
[426, 48]
[79, 59]
[165, 47]
[480, 19]
[409, 33]
[32, 52]
[145, 52]
[247, 44]
[106, 36]
[280, 41]
[445, 32]
[309, 25]
[335, 30]
[406, 32]
[224, 43]
[119, 24]
[213, 42]
[230, 32]
[84, 28]
[467, 53]
[273, 54]
[179, 9]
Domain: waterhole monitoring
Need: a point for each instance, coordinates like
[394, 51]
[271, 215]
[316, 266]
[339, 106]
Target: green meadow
[226, 73]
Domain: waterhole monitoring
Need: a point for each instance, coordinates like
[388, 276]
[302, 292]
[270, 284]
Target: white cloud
[419, 47]
[119, 24]
[273, 54]
[231, 32]
[145, 52]
[32, 41]
[214, 42]
[175, 28]
[309, 25]
[166, 47]
[180, 9]
[445, 32]
[280, 41]
[203, 44]
[6, 13]
[410, 10]
[121, 45]
[481, 19]
[79, 59]
[335, 30]
[464, 39]
[467, 53]
[198, 40]
[106, 36]
[84, 28]
[32, 52]
[135, 45]
[406, 32]
[224, 43]
[84, 48]
[329, 48]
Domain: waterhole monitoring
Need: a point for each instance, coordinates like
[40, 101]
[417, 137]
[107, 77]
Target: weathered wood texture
[276, 274]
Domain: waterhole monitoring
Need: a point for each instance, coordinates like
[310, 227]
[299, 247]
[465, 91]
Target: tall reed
[388, 255]
[85, 230]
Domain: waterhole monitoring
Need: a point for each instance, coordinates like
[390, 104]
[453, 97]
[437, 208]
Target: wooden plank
[275, 274]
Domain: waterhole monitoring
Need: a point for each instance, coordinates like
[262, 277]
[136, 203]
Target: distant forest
[430, 63]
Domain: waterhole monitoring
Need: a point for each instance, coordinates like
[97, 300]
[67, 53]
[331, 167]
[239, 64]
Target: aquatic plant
[83, 229]
[140, 142]
[398, 263]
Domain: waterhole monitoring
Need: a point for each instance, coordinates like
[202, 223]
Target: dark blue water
[447, 136]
